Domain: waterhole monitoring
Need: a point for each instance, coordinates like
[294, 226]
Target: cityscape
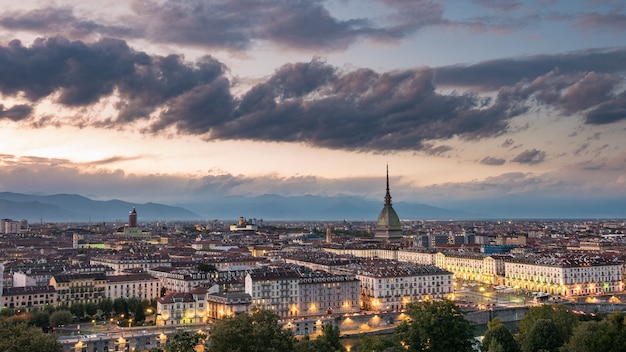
[360, 276]
[312, 175]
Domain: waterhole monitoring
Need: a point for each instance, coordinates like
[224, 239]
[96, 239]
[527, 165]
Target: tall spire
[387, 195]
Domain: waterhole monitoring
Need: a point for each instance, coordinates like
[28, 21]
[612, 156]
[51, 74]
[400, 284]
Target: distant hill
[76, 208]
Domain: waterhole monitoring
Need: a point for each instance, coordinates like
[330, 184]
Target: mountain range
[77, 208]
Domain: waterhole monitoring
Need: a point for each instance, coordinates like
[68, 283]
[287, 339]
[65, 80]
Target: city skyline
[176, 101]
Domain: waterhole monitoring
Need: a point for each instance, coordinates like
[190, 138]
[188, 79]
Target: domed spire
[388, 226]
[387, 194]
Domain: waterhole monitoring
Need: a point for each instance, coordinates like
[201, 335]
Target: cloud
[530, 157]
[306, 102]
[16, 112]
[491, 75]
[488, 160]
[235, 25]
[608, 112]
[61, 21]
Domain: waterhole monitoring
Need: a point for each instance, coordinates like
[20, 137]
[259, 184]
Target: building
[274, 289]
[122, 262]
[567, 276]
[182, 279]
[390, 285]
[140, 286]
[324, 293]
[83, 288]
[180, 308]
[28, 297]
[243, 225]
[388, 226]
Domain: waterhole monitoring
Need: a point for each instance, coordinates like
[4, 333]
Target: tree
[78, 309]
[120, 306]
[328, 341]
[18, 336]
[139, 314]
[106, 306]
[91, 309]
[544, 336]
[378, 343]
[500, 337]
[40, 318]
[562, 316]
[61, 317]
[246, 333]
[184, 342]
[608, 335]
[435, 326]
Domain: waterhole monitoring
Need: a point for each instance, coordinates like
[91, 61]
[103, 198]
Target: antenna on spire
[387, 194]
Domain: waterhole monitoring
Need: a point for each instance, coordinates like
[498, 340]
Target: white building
[181, 279]
[182, 308]
[123, 262]
[140, 286]
[324, 293]
[389, 285]
[565, 276]
[274, 289]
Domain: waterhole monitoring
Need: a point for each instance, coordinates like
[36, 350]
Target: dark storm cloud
[235, 25]
[488, 160]
[294, 24]
[60, 21]
[78, 74]
[608, 112]
[311, 102]
[530, 157]
[359, 110]
[493, 74]
[589, 82]
[15, 112]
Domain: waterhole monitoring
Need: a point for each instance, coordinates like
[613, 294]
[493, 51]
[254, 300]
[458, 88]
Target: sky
[176, 101]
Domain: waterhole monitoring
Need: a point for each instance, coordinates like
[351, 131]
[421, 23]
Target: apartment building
[275, 289]
[182, 279]
[123, 262]
[566, 276]
[28, 297]
[324, 293]
[83, 288]
[180, 308]
[140, 286]
[389, 285]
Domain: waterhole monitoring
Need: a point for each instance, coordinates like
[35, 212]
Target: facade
[227, 304]
[389, 285]
[566, 277]
[180, 308]
[323, 293]
[140, 286]
[120, 263]
[472, 266]
[28, 297]
[388, 226]
[83, 288]
[181, 280]
[274, 289]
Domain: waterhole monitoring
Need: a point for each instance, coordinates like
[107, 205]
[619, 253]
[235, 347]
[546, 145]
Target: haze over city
[473, 104]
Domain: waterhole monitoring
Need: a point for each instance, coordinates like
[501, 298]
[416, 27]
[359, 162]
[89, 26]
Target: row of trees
[436, 326]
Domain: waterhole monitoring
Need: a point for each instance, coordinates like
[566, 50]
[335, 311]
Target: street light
[130, 321]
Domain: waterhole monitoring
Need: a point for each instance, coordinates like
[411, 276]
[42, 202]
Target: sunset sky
[175, 101]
